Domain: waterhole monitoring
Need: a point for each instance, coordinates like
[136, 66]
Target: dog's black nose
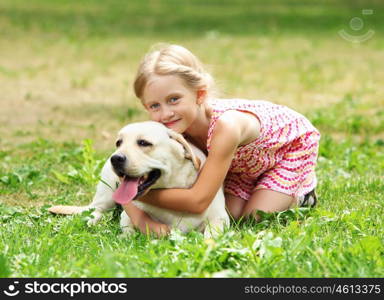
[118, 160]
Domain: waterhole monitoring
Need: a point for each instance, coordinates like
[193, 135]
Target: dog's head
[147, 153]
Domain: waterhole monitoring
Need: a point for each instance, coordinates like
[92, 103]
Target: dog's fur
[178, 162]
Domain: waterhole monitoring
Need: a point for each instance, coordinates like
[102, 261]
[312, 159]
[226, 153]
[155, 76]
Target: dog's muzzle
[131, 187]
[118, 162]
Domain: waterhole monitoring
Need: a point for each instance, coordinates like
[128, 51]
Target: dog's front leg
[103, 201]
[126, 224]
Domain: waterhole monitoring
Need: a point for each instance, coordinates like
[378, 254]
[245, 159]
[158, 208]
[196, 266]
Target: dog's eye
[144, 143]
[118, 143]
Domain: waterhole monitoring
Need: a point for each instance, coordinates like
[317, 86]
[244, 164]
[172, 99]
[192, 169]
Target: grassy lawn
[66, 72]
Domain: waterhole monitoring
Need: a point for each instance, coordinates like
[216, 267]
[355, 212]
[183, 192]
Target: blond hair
[173, 60]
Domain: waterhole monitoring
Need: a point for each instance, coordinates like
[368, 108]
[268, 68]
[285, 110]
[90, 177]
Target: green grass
[343, 236]
[66, 69]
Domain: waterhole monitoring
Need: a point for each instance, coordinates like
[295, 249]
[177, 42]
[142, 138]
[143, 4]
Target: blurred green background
[118, 18]
[67, 67]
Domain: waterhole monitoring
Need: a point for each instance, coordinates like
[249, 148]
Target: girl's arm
[231, 130]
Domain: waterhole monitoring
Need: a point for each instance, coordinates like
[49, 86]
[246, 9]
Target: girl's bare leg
[267, 201]
[235, 205]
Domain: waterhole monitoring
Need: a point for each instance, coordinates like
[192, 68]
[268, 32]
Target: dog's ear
[189, 154]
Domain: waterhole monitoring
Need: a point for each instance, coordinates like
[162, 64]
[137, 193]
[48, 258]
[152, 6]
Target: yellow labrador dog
[151, 156]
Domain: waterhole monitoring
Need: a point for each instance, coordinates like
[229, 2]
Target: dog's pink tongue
[126, 191]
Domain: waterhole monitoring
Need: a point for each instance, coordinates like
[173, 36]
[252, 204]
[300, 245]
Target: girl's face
[169, 101]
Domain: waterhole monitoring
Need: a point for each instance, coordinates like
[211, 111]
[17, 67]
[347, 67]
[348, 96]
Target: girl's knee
[235, 206]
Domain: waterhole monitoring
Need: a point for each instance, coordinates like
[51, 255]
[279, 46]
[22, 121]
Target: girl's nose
[167, 115]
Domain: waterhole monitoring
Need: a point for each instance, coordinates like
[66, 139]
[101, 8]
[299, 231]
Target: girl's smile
[171, 124]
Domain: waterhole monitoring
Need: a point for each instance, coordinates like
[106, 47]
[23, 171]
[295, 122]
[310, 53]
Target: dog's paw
[212, 231]
[92, 222]
[94, 218]
[127, 231]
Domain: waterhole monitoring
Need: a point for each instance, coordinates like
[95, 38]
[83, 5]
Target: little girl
[265, 154]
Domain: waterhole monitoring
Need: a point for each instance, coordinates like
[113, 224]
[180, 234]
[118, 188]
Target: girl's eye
[154, 106]
[174, 99]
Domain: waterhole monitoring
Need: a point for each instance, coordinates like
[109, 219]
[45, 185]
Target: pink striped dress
[282, 158]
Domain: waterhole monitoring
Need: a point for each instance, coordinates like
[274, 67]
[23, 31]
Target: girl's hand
[146, 225]
[144, 222]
